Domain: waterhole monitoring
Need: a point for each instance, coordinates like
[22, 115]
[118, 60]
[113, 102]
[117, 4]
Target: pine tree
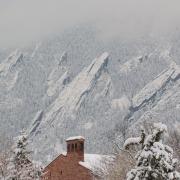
[154, 160]
[21, 167]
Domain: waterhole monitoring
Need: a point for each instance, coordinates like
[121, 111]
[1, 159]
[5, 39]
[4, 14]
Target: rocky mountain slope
[54, 90]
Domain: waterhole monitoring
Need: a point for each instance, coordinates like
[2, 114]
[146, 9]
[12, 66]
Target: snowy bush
[154, 160]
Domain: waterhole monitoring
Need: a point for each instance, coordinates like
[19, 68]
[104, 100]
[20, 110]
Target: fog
[25, 21]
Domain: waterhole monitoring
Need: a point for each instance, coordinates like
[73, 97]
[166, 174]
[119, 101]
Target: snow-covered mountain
[55, 89]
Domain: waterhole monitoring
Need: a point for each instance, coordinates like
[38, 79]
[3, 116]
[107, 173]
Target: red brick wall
[66, 168]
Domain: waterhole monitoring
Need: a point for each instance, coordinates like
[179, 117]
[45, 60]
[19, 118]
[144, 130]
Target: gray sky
[23, 21]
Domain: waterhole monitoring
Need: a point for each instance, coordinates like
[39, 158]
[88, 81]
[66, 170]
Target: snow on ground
[57, 85]
[9, 81]
[96, 162]
[88, 125]
[132, 64]
[178, 106]
[176, 68]
[58, 148]
[160, 127]
[123, 103]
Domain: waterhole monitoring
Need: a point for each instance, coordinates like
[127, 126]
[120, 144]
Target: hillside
[54, 89]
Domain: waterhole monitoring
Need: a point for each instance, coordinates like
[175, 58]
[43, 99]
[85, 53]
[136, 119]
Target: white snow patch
[10, 84]
[178, 106]
[123, 103]
[64, 153]
[132, 141]
[58, 148]
[9, 81]
[132, 64]
[74, 138]
[88, 125]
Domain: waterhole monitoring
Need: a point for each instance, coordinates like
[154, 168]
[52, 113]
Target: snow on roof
[129, 141]
[97, 163]
[74, 138]
[64, 153]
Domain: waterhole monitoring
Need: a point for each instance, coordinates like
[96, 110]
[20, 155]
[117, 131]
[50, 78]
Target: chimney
[75, 147]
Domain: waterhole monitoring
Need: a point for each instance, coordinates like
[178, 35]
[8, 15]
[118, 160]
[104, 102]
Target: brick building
[75, 165]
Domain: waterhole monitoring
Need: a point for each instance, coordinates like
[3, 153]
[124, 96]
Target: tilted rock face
[71, 97]
[9, 71]
[9, 102]
[59, 77]
[167, 76]
[157, 101]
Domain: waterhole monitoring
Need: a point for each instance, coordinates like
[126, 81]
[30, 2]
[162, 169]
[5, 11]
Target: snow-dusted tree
[154, 160]
[4, 157]
[20, 166]
[5, 144]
